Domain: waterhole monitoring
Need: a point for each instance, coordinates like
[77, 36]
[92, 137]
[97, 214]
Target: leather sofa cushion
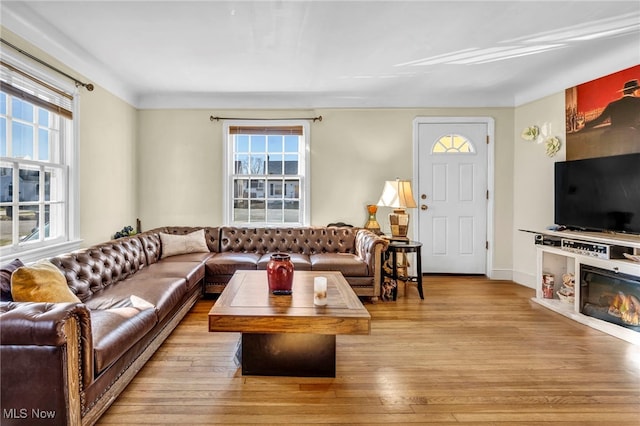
[348, 264]
[164, 293]
[115, 330]
[301, 262]
[192, 272]
[189, 257]
[229, 262]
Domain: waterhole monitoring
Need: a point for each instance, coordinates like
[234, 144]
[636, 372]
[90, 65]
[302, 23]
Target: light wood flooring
[474, 351]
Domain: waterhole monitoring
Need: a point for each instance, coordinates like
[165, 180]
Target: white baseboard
[501, 274]
[524, 278]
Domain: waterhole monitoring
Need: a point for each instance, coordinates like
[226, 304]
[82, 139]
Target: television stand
[553, 262]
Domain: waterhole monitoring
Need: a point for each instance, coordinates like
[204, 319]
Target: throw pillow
[41, 282]
[5, 279]
[181, 244]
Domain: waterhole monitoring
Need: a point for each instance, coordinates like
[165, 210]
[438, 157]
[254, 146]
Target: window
[267, 176]
[36, 155]
[453, 144]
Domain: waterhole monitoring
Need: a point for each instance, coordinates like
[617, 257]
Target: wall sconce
[398, 195]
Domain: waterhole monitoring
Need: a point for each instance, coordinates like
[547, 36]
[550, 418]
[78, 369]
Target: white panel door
[452, 196]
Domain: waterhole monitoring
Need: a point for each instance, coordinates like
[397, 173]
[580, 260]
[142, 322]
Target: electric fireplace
[610, 296]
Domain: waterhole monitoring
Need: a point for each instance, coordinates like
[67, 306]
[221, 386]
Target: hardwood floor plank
[475, 351]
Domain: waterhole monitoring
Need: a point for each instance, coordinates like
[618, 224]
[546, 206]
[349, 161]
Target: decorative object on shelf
[567, 292]
[398, 195]
[552, 145]
[372, 223]
[125, 232]
[548, 282]
[280, 274]
[320, 291]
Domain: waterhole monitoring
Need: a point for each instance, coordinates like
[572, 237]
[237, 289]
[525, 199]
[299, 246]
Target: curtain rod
[314, 119]
[88, 86]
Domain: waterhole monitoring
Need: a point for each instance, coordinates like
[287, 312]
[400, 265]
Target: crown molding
[18, 18]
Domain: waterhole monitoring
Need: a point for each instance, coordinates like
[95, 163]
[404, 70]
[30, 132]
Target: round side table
[404, 247]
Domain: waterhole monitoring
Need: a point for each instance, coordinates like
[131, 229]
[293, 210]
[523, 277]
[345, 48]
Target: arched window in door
[453, 144]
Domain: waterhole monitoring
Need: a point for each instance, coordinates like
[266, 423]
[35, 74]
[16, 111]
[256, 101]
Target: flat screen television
[599, 194]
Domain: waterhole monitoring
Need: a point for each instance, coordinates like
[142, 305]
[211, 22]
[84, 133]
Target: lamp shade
[397, 194]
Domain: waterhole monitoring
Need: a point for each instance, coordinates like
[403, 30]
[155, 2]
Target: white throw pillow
[180, 244]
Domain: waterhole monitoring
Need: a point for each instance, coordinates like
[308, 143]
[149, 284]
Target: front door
[452, 196]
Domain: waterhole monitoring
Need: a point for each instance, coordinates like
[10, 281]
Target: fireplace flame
[626, 307]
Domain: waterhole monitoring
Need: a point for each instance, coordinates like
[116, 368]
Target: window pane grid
[28, 131]
[32, 183]
[453, 144]
[265, 180]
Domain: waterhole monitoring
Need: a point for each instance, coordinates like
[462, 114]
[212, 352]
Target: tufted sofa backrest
[309, 240]
[95, 268]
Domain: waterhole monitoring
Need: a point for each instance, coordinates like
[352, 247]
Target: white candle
[320, 291]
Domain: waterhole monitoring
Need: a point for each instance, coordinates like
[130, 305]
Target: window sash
[57, 166]
[272, 195]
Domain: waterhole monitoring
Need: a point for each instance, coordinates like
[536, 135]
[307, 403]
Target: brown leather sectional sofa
[72, 360]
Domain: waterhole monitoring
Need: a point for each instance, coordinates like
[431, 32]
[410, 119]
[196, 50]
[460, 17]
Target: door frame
[490, 122]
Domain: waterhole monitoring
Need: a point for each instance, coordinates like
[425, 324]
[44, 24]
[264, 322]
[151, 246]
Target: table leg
[419, 270]
[394, 258]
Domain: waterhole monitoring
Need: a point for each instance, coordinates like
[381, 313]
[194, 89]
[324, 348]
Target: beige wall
[353, 151]
[533, 181]
[165, 166]
[108, 166]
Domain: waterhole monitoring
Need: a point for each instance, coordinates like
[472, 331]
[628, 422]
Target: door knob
[423, 207]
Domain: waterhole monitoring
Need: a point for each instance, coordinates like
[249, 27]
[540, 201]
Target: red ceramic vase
[280, 274]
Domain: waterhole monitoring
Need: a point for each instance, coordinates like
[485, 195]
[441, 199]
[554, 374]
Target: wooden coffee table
[288, 335]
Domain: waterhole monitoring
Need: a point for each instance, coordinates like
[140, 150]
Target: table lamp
[397, 194]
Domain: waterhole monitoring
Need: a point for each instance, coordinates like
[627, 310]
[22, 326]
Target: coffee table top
[246, 305]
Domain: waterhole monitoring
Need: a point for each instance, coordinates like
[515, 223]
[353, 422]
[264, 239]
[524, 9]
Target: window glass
[43, 144]
[258, 143]
[453, 144]
[3, 137]
[275, 143]
[275, 164]
[291, 144]
[43, 117]
[22, 140]
[242, 143]
[21, 110]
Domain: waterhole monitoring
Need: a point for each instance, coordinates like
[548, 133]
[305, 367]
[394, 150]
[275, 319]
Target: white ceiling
[314, 54]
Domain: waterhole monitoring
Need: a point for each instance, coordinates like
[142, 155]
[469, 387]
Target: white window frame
[228, 170]
[69, 165]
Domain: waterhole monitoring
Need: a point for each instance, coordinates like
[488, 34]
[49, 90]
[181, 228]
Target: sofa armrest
[369, 247]
[58, 326]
